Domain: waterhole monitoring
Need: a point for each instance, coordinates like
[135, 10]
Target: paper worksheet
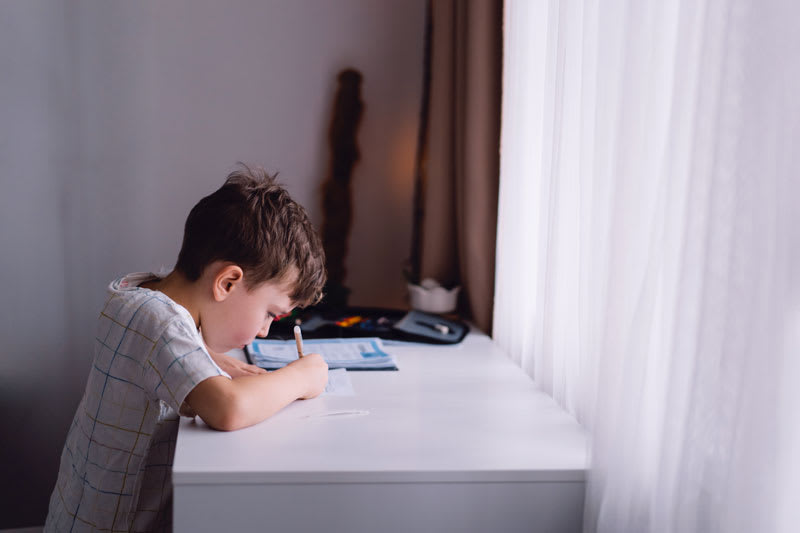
[339, 383]
[354, 354]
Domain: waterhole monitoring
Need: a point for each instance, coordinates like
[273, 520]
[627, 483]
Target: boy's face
[242, 314]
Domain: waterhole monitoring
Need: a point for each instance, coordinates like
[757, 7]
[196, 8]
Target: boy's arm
[233, 366]
[227, 405]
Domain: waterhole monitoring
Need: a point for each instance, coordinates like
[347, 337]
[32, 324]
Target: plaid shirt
[116, 466]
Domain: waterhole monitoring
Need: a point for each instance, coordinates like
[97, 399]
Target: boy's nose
[265, 329]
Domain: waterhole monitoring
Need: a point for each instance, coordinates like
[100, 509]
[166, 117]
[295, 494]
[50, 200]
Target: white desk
[459, 439]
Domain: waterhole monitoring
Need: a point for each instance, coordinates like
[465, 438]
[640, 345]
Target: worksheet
[339, 383]
[363, 353]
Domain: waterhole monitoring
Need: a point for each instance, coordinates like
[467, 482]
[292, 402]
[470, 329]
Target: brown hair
[253, 222]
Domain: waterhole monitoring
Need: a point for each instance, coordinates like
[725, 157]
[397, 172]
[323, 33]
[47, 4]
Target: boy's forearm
[228, 405]
[261, 396]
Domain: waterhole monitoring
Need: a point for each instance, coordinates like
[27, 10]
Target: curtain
[459, 157]
[648, 250]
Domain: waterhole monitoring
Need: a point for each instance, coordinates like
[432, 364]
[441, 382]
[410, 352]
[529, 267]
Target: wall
[115, 118]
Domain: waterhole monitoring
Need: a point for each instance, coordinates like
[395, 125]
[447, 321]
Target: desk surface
[462, 413]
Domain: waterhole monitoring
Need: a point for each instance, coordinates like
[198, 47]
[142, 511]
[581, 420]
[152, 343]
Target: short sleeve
[178, 362]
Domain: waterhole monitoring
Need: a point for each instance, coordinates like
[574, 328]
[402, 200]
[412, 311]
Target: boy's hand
[313, 371]
[234, 367]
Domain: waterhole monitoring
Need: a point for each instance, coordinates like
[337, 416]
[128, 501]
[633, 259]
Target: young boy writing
[249, 254]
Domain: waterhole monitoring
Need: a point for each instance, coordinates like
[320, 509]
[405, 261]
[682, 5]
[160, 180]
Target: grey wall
[116, 117]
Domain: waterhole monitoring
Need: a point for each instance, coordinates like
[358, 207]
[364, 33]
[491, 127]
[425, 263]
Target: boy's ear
[227, 278]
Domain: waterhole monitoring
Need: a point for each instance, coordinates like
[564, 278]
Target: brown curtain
[459, 160]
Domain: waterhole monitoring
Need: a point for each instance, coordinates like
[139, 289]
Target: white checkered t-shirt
[116, 466]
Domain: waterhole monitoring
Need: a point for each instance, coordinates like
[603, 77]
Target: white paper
[339, 383]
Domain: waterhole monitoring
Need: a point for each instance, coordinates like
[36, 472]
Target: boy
[249, 253]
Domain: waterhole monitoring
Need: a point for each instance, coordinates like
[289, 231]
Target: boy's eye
[271, 315]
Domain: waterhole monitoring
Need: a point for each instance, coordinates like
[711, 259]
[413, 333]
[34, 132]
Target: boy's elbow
[220, 422]
[229, 417]
[219, 404]
[223, 424]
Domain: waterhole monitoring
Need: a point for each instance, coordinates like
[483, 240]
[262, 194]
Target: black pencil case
[390, 324]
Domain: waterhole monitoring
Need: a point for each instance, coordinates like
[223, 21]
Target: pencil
[298, 338]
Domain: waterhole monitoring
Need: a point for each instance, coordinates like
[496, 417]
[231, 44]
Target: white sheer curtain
[648, 250]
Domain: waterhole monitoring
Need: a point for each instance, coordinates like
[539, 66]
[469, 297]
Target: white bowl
[432, 298]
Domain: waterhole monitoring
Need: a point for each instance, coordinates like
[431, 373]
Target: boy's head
[252, 222]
